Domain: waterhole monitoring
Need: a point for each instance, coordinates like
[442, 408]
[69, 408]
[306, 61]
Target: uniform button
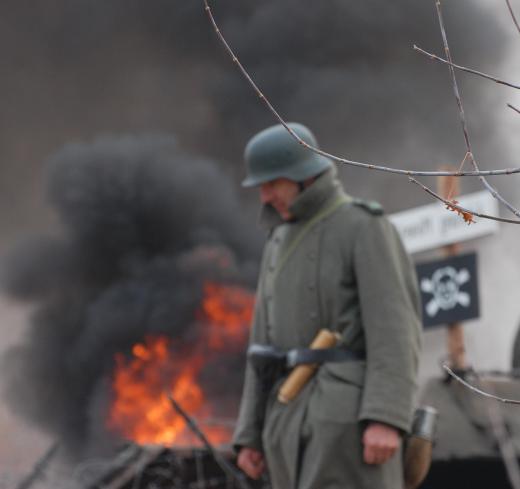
[312, 286]
[277, 240]
[313, 315]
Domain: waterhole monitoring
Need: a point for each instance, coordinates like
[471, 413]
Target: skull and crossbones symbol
[444, 285]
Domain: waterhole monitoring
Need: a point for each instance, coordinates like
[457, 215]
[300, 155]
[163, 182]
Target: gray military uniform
[339, 265]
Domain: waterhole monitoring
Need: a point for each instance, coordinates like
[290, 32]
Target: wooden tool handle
[302, 373]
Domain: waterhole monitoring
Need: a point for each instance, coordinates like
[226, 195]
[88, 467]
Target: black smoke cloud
[145, 225]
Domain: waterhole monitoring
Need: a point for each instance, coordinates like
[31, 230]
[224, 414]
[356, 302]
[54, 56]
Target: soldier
[331, 261]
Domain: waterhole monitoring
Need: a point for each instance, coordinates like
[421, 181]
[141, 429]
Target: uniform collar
[325, 188]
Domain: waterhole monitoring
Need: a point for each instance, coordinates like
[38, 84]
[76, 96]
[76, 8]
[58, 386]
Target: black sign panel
[449, 290]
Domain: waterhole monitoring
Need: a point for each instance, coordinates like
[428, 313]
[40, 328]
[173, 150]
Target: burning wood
[230, 470]
[144, 467]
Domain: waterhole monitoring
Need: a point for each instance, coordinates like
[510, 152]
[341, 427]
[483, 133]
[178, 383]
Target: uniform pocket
[337, 392]
[347, 372]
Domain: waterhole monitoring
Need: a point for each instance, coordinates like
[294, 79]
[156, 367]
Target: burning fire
[141, 410]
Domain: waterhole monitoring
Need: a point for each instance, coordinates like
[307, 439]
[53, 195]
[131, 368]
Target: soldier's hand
[380, 442]
[251, 461]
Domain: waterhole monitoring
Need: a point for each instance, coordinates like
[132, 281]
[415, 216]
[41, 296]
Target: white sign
[432, 225]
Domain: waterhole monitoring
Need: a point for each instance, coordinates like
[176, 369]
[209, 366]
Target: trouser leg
[331, 457]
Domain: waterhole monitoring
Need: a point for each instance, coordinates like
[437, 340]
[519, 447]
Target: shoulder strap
[298, 238]
[371, 206]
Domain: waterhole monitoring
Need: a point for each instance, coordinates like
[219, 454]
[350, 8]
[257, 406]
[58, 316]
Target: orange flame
[229, 309]
[141, 410]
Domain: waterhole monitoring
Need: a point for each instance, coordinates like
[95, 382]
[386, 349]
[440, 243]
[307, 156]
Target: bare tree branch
[463, 68]
[513, 15]
[486, 184]
[478, 391]
[498, 424]
[514, 108]
[453, 205]
[370, 166]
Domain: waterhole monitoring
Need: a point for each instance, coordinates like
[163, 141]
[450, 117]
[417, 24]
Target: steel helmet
[274, 153]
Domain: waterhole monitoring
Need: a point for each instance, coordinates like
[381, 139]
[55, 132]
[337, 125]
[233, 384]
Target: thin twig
[452, 205]
[514, 108]
[478, 391]
[486, 184]
[463, 68]
[226, 467]
[513, 15]
[370, 166]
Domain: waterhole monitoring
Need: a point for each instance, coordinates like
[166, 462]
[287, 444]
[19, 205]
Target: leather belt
[262, 354]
